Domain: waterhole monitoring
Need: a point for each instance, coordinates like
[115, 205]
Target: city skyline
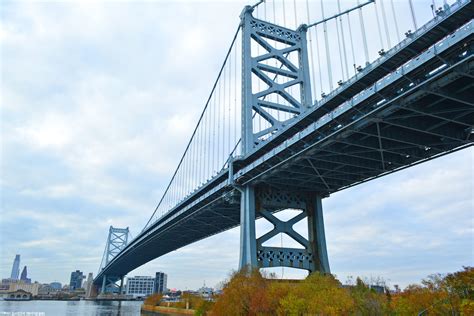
[97, 137]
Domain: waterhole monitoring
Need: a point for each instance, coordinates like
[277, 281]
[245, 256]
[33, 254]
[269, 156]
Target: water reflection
[92, 308]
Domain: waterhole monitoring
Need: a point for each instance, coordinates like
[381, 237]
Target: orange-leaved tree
[246, 293]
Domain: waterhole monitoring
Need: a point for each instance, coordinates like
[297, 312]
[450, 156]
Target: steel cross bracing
[278, 44]
[417, 107]
[117, 240]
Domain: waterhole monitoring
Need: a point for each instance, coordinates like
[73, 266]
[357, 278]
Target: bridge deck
[420, 111]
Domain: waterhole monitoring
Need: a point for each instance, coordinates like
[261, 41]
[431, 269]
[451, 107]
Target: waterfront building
[140, 286]
[55, 286]
[160, 282]
[76, 280]
[32, 288]
[15, 268]
[24, 276]
[45, 289]
[18, 295]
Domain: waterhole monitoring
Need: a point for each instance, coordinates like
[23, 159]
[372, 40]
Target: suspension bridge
[309, 102]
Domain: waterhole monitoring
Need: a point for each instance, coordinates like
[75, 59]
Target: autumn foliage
[248, 292]
[153, 299]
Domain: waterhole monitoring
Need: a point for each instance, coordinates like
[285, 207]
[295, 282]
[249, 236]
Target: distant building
[18, 295]
[160, 282]
[32, 288]
[55, 286]
[88, 285]
[140, 286]
[45, 289]
[6, 283]
[205, 292]
[377, 288]
[76, 280]
[24, 276]
[15, 268]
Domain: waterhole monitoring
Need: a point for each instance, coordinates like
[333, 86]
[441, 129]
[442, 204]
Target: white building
[140, 286]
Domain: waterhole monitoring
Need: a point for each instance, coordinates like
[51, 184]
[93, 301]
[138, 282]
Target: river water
[69, 308]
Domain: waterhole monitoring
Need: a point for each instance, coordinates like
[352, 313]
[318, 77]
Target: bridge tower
[116, 241]
[281, 64]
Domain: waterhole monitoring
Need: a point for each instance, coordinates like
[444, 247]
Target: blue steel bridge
[302, 109]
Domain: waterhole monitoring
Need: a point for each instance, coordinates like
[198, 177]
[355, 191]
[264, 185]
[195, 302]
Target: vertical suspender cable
[328, 56]
[200, 156]
[296, 16]
[343, 39]
[284, 24]
[276, 62]
[364, 37]
[387, 31]
[236, 91]
[258, 88]
[319, 60]
[310, 35]
[229, 105]
[224, 112]
[205, 151]
[219, 105]
[340, 50]
[352, 43]
[395, 21]
[413, 17]
[378, 25]
[214, 137]
[194, 132]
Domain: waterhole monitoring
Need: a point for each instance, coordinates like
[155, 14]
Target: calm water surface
[63, 308]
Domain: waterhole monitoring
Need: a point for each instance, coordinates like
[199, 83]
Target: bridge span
[412, 104]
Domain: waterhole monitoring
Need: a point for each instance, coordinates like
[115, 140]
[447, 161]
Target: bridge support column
[316, 235]
[104, 283]
[248, 249]
[312, 256]
[121, 285]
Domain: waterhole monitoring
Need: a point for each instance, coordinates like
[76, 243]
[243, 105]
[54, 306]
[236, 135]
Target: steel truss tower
[283, 67]
[116, 241]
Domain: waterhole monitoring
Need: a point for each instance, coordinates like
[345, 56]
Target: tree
[244, 294]
[367, 301]
[153, 299]
[318, 294]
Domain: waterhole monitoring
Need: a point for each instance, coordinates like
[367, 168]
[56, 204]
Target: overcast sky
[97, 103]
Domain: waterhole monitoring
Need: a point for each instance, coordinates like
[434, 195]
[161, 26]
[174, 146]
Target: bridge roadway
[393, 115]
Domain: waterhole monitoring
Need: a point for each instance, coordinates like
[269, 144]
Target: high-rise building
[140, 286]
[160, 282]
[15, 268]
[88, 284]
[24, 276]
[76, 280]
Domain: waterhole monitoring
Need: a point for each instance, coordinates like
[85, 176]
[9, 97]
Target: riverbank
[151, 310]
